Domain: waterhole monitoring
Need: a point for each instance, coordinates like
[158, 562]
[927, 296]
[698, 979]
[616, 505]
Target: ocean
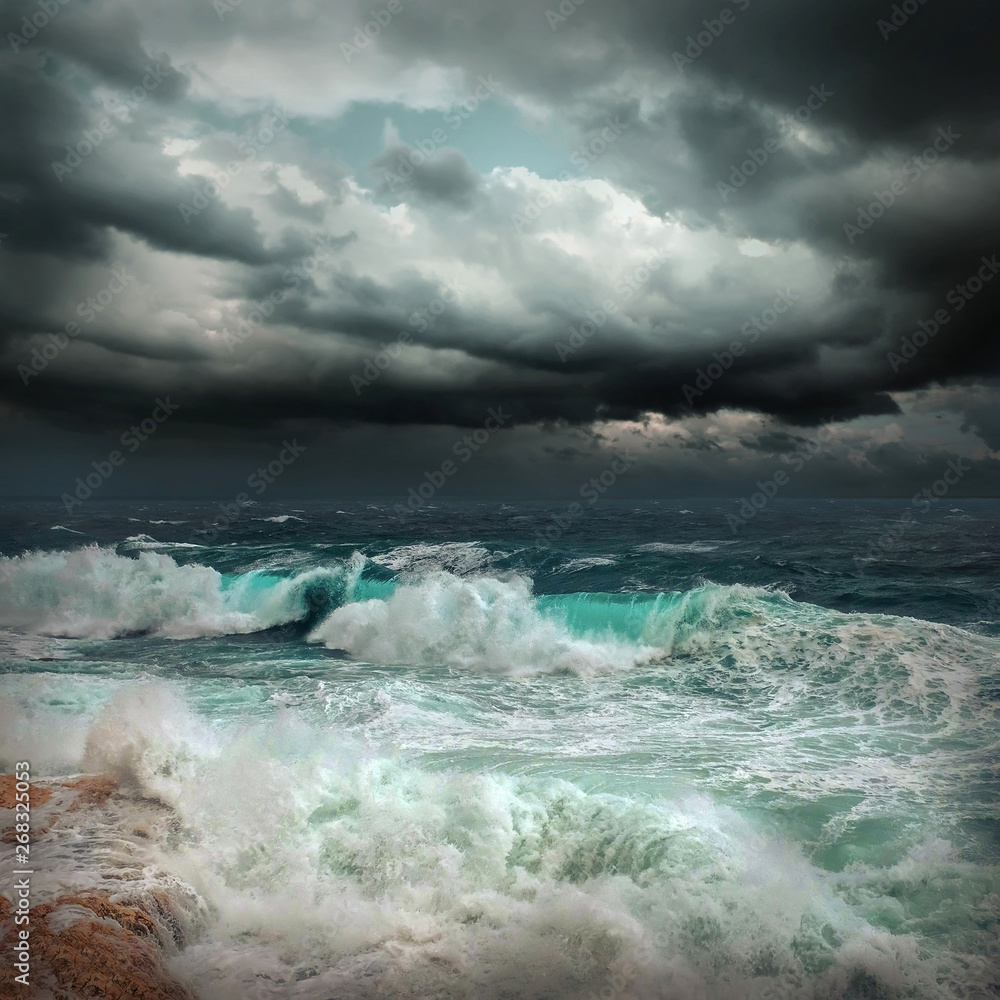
[501, 750]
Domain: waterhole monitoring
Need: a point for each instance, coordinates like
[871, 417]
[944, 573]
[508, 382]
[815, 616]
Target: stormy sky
[709, 236]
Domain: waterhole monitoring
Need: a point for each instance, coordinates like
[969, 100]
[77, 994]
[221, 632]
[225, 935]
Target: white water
[95, 593]
[480, 624]
[322, 869]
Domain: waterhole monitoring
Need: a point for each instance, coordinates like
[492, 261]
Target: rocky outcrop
[93, 942]
[113, 953]
[39, 794]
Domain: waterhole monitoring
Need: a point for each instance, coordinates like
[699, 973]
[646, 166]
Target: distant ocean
[487, 750]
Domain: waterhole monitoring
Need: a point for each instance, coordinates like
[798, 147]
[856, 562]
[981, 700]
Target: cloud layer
[768, 217]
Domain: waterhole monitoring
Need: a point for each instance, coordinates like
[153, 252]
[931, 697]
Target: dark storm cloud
[108, 42]
[828, 107]
[115, 180]
[443, 175]
[894, 83]
[888, 90]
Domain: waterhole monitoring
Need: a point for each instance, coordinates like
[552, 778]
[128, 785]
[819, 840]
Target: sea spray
[94, 592]
[645, 762]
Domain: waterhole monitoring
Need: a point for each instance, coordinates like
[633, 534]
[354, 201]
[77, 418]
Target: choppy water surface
[432, 756]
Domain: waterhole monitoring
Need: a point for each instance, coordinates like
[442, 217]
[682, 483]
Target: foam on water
[749, 640]
[480, 623]
[140, 543]
[586, 562]
[320, 868]
[670, 789]
[460, 558]
[94, 592]
[673, 548]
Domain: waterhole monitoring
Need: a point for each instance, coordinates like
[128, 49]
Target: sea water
[460, 752]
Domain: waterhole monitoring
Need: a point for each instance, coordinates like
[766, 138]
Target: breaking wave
[95, 593]
[737, 638]
[350, 875]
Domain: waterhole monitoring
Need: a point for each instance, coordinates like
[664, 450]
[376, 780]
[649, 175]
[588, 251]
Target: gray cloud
[435, 250]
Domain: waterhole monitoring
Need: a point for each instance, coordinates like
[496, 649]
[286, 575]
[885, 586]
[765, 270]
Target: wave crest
[481, 623]
[95, 593]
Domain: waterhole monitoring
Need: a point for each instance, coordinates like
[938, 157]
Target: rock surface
[89, 942]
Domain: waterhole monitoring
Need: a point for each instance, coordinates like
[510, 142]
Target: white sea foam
[93, 592]
[674, 548]
[460, 558]
[331, 871]
[586, 562]
[475, 624]
[139, 543]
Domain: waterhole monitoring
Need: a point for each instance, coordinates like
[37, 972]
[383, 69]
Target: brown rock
[94, 790]
[90, 959]
[39, 795]
[120, 961]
